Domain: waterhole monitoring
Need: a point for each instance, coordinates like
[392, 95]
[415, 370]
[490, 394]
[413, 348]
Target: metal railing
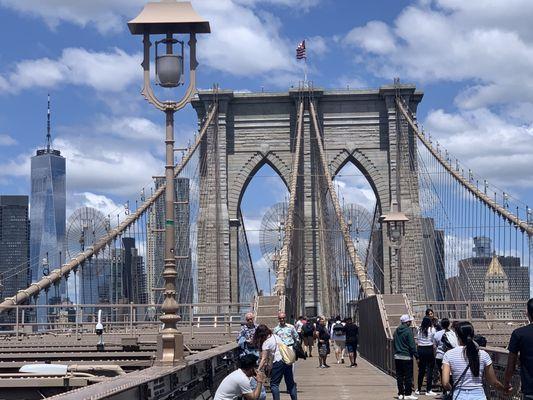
[122, 318]
[376, 345]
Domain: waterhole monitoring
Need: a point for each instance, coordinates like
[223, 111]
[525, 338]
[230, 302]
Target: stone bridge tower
[253, 129]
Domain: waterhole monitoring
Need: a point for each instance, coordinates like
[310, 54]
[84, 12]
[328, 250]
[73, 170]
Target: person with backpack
[338, 335]
[444, 340]
[308, 336]
[468, 365]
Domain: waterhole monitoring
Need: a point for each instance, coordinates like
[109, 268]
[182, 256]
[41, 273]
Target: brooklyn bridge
[437, 237]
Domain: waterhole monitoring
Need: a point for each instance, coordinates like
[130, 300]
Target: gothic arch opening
[359, 201]
[263, 204]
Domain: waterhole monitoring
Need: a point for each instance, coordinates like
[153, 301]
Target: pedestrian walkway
[339, 382]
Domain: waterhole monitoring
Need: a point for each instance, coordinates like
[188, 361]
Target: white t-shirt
[233, 386]
[457, 361]
[272, 345]
[423, 340]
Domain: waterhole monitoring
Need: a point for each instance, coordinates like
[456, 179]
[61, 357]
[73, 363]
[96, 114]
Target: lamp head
[168, 17]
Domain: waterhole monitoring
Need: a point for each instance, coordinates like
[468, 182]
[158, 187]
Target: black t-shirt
[352, 333]
[323, 333]
[522, 343]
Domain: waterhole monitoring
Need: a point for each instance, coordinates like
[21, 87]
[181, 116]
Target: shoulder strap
[460, 378]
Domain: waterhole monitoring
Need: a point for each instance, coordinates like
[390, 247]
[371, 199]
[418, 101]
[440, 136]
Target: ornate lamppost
[395, 225]
[166, 19]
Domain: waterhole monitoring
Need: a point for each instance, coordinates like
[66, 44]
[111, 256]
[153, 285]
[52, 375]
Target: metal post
[191, 321]
[131, 317]
[17, 321]
[170, 351]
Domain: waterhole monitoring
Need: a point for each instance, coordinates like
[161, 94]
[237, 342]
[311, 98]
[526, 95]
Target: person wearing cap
[404, 351]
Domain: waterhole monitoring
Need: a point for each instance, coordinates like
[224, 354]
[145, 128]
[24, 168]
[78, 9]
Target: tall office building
[497, 292]
[433, 260]
[473, 270]
[48, 210]
[14, 246]
[156, 245]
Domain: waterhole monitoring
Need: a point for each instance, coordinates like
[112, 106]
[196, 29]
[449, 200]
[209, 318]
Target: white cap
[405, 318]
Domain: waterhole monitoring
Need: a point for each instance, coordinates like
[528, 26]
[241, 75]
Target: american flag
[300, 51]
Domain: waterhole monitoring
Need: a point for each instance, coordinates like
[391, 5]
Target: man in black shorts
[521, 345]
[352, 339]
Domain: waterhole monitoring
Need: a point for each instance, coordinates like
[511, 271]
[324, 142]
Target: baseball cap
[405, 318]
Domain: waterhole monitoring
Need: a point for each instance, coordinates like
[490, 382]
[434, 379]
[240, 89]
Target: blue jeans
[469, 394]
[282, 370]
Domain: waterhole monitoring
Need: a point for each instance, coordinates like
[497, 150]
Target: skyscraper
[182, 250]
[48, 210]
[14, 245]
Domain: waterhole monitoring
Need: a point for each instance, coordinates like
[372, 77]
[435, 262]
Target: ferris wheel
[85, 227]
[272, 233]
[359, 221]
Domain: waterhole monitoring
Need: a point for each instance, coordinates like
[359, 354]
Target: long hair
[424, 326]
[262, 332]
[465, 332]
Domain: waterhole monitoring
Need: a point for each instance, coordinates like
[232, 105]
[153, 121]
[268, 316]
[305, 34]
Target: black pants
[404, 376]
[426, 364]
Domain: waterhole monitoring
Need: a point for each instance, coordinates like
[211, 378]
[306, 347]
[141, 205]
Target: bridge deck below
[342, 383]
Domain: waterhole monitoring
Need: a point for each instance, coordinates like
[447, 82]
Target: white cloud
[299, 4]
[100, 202]
[375, 37]
[317, 45]
[242, 41]
[467, 42]
[6, 140]
[352, 187]
[132, 128]
[487, 143]
[103, 71]
[105, 15]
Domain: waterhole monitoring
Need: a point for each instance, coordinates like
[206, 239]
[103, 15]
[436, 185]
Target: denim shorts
[469, 394]
[351, 347]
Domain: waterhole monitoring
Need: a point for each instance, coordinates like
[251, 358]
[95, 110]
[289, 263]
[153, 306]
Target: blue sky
[473, 61]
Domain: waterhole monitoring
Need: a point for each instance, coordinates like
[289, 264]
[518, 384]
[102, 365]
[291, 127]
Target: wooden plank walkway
[339, 382]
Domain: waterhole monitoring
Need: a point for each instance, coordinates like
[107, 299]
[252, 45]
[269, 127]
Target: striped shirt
[457, 361]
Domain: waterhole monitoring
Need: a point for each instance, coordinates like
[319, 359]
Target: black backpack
[308, 329]
[338, 329]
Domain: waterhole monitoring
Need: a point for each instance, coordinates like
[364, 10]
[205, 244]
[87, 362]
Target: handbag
[449, 395]
[287, 354]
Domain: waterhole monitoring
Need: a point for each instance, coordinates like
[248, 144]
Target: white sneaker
[431, 393]
[338, 361]
[411, 397]
[417, 392]
[400, 397]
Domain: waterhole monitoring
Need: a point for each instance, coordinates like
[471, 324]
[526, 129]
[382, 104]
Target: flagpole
[305, 72]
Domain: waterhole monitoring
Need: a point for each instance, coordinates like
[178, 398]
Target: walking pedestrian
[521, 345]
[468, 365]
[426, 354]
[246, 335]
[444, 340]
[271, 360]
[352, 340]
[237, 384]
[404, 351]
[338, 335]
[308, 335]
[285, 331]
[298, 326]
[323, 338]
